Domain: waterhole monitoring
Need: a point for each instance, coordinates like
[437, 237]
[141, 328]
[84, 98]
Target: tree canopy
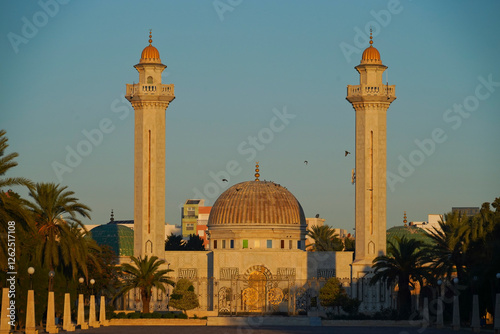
[325, 239]
[145, 274]
[184, 297]
[404, 264]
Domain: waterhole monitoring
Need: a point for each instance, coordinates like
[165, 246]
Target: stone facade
[249, 281]
[149, 98]
[256, 262]
[370, 99]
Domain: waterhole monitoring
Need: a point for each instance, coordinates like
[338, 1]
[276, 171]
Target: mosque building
[256, 259]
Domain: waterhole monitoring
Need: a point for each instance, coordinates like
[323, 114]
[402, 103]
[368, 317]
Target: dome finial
[404, 219]
[112, 219]
[257, 171]
[150, 36]
[371, 37]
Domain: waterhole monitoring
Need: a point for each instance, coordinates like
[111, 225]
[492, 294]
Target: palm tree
[174, 242]
[145, 274]
[12, 206]
[325, 239]
[55, 211]
[194, 243]
[404, 264]
[6, 163]
[451, 240]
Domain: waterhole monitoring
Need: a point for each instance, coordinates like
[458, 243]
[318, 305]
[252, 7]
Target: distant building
[115, 234]
[194, 213]
[119, 238]
[466, 210]
[340, 232]
[431, 224]
[311, 222]
[201, 227]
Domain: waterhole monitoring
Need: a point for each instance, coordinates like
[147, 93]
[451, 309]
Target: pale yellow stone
[370, 99]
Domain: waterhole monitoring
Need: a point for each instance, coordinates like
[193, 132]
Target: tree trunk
[404, 297]
[145, 303]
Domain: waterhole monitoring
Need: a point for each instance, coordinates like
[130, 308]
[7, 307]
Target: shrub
[351, 305]
[183, 297]
[134, 315]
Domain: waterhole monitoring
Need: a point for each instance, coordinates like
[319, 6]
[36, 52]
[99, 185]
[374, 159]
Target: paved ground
[267, 330]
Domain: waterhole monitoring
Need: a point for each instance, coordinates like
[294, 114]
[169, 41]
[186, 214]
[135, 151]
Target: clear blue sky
[232, 63]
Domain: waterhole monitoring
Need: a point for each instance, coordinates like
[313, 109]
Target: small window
[232, 243]
[215, 244]
[282, 244]
[256, 244]
[269, 244]
[223, 243]
[150, 80]
[290, 244]
[245, 243]
[298, 244]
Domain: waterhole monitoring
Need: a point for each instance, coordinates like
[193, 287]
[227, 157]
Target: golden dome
[150, 54]
[256, 203]
[371, 55]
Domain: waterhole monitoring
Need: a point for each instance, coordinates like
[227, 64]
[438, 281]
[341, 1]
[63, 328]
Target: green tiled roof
[411, 232]
[119, 238]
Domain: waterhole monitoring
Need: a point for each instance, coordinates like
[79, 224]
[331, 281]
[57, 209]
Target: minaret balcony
[139, 89]
[362, 90]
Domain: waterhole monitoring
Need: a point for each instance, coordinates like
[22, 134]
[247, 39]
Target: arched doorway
[254, 295]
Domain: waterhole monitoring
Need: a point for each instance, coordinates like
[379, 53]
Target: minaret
[370, 99]
[150, 99]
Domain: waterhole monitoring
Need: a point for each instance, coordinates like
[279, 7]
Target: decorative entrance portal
[254, 297]
[256, 291]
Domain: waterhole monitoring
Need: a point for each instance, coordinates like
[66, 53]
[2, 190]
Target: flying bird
[347, 152]
[306, 162]
[224, 180]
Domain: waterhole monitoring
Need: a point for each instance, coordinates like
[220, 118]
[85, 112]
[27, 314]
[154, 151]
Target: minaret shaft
[370, 100]
[150, 99]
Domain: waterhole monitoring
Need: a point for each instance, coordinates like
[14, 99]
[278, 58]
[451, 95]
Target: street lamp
[168, 291]
[497, 306]
[51, 277]
[439, 283]
[92, 282]
[440, 322]
[475, 321]
[31, 271]
[456, 308]
[81, 280]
